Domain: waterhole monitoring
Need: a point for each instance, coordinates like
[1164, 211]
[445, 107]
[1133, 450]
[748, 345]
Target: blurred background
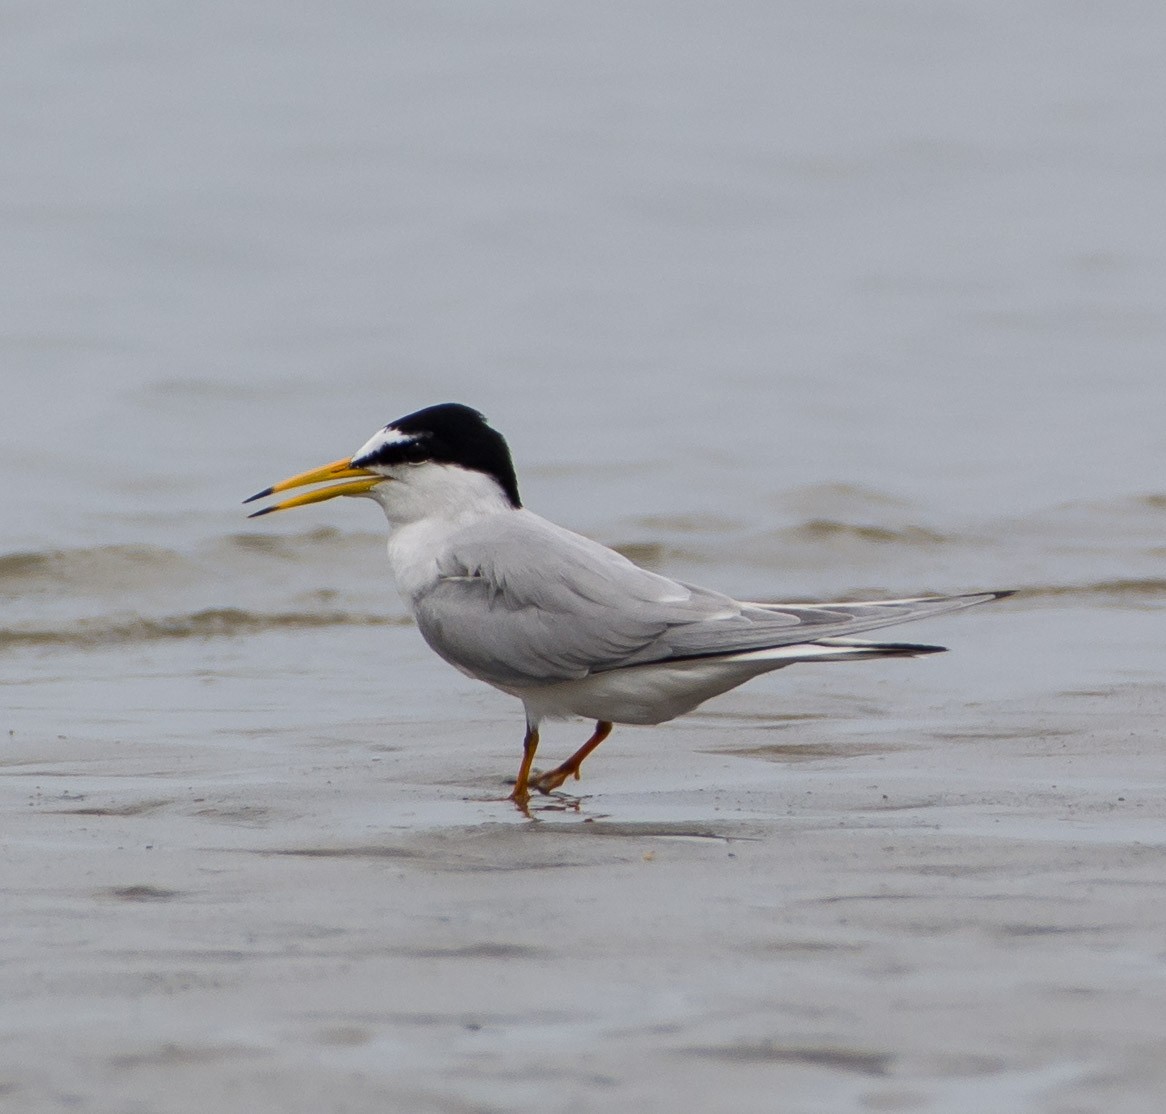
[802, 299]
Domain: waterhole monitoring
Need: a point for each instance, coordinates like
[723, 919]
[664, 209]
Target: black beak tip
[259, 495]
[258, 514]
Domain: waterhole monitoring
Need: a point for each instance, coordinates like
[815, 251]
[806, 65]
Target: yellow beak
[337, 470]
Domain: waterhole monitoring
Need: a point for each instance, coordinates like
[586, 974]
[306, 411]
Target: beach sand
[957, 909]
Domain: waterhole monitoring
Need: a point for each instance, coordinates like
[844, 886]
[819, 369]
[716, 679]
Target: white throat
[426, 504]
[447, 492]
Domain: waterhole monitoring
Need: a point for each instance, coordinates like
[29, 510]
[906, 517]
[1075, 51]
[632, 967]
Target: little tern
[568, 626]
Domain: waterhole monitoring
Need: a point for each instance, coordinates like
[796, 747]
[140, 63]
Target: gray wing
[520, 601]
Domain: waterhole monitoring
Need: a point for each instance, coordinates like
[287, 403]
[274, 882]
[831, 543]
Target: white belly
[642, 694]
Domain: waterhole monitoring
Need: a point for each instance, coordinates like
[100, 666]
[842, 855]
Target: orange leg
[544, 783]
[521, 794]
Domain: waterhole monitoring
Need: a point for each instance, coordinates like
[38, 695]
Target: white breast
[414, 552]
[427, 505]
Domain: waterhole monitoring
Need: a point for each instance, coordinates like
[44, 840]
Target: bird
[565, 624]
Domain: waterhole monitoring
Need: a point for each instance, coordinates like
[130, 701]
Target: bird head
[434, 461]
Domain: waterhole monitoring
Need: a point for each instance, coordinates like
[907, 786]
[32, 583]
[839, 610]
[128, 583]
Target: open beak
[337, 470]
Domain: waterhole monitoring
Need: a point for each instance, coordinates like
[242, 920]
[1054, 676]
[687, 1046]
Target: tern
[568, 626]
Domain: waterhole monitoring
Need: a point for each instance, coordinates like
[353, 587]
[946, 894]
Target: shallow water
[797, 302]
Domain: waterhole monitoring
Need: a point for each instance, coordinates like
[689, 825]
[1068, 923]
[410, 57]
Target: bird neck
[440, 493]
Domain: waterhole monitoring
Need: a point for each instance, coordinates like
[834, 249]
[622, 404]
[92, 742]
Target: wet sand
[851, 889]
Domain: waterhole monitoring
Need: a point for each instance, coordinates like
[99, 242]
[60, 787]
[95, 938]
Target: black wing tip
[906, 649]
[980, 597]
[260, 495]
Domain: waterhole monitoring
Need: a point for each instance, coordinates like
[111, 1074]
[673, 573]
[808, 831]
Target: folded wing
[523, 602]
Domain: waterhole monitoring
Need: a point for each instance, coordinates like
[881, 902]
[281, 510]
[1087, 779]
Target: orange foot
[521, 802]
[552, 779]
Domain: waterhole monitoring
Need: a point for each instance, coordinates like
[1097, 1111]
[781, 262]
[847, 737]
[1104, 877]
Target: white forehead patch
[382, 438]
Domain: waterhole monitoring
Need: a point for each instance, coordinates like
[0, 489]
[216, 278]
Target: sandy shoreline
[959, 910]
